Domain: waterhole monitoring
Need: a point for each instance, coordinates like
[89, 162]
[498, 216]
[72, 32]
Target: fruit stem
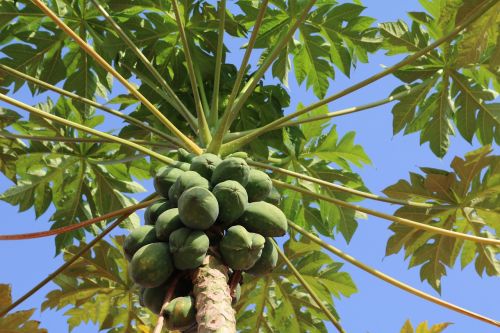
[166, 300]
[235, 279]
[213, 298]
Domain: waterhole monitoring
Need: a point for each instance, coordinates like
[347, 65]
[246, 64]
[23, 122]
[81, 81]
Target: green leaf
[311, 62]
[16, 322]
[473, 115]
[99, 290]
[329, 148]
[280, 300]
[470, 198]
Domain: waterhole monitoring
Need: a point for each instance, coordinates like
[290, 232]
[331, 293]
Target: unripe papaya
[185, 156]
[232, 199]
[137, 238]
[232, 168]
[205, 164]
[188, 248]
[259, 185]
[274, 198]
[165, 178]
[198, 208]
[240, 154]
[240, 249]
[263, 218]
[183, 166]
[153, 298]
[152, 212]
[267, 261]
[180, 313]
[187, 180]
[151, 265]
[167, 222]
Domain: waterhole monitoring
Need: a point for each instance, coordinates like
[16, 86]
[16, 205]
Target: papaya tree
[249, 193]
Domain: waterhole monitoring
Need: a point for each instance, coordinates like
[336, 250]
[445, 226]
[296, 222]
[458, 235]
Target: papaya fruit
[167, 222]
[185, 156]
[165, 178]
[137, 238]
[232, 199]
[153, 297]
[151, 265]
[240, 154]
[232, 168]
[152, 212]
[198, 208]
[187, 180]
[188, 248]
[241, 249]
[205, 164]
[183, 166]
[274, 197]
[259, 185]
[263, 218]
[267, 261]
[180, 313]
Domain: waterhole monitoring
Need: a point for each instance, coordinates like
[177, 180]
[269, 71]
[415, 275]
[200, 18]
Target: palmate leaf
[470, 193]
[317, 157]
[99, 290]
[424, 328]
[276, 301]
[447, 95]
[65, 175]
[332, 35]
[17, 322]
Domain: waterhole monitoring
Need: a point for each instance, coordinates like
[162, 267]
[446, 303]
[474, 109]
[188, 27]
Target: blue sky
[377, 307]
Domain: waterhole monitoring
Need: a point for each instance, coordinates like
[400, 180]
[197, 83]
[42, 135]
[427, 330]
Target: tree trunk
[215, 313]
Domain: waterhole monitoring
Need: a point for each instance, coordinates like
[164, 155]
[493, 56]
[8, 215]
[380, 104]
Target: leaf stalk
[395, 219]
[390, 279]
[308, 288]
[89, 50]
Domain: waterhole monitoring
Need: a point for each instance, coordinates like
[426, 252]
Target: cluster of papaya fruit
[208, 205]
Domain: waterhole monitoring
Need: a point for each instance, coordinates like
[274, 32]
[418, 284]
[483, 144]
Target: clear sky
[377, 307]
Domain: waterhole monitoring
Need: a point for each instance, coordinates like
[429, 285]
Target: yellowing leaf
[16, 322]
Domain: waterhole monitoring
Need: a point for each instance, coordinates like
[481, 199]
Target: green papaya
[167, 222]
[137, 238]
[267, 261]
[232, 199]
[205, 164]
[241, 249]
[180, 313]
[183, 166]
[188, 248]
[152, 212]
[232, 168]
[240, 154]
[187, 180]
[185, 156]
[274, 198]
[151, 265]
[259, 185]
[198, 208]
[153, 297]
[263, 218]
[165, 178]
